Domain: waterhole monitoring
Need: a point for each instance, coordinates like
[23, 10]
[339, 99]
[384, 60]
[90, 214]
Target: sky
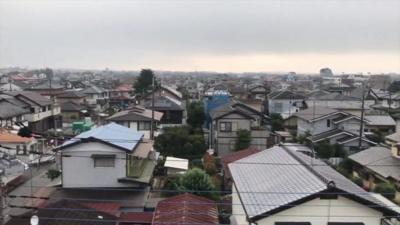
[350, 36]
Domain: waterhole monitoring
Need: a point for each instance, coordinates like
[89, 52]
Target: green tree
[196, 116]
[324, 149]
[179, 142]
[276, 121]
[144, 81]
[243, 139]
[198, 182]
[386, 189]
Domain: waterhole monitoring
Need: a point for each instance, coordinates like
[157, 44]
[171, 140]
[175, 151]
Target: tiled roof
[136, 217]
[164, 103]
[380, 120]
[285, 95]
[377, 159]
[262, 178]
[71, 94]
[8, 110]
[113, 134]
[7, 137]
[186, 209]
[313, 113]
[32, 96]
[69, 213]
[70, 107]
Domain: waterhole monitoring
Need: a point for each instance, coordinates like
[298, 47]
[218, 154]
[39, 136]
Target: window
[104, 160]
[44, 109]
[328, 123]
[225, 126]
[144, 125]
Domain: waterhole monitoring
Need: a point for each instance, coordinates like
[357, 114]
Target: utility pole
[2, 205]
[362, 118]
[152, 110]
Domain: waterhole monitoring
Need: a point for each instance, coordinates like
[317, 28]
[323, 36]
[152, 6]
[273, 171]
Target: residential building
[285, 103]
[111, 156]
[47, 88]
[186, 209]
[258, 92]
[283, 185]
[137, 119]
[172, 109]
[13, 144]
[42, 114]
[96, 97]
[72, 112]
[175, 166]
[228, 119]
[164, 91]
[73, 95]
[378, 164]
[10, 113]
[334, 126]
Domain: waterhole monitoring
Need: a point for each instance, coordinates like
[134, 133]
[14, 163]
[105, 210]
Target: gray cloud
[72, 33]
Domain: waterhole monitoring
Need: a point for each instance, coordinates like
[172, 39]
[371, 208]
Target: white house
[137, 119]
[282, 186]
[107, 156]
[285, 103]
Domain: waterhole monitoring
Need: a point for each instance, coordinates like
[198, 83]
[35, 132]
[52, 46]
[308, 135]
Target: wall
[317, 212]
[80, 171]
[287, 108]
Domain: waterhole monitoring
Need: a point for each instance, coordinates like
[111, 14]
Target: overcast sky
[223, 36]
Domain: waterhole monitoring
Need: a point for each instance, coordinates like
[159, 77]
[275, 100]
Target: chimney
[396, 150]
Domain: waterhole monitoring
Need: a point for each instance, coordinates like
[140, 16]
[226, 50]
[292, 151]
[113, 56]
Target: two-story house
[172, 109]
[137, 119]
[335, 126]
[111, 156]
[285, 103]
[96, 97]
[227, 119]
[284, 186]
[41, 114]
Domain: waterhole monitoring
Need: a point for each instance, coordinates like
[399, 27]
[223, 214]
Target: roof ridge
[309, 167]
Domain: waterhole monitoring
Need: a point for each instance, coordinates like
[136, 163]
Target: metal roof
[111, 133]
[273, 179]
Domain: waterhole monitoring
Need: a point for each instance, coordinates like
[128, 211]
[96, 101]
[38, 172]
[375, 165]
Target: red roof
[105, 207]
[136, 217]
[234, 157]
[186, 209]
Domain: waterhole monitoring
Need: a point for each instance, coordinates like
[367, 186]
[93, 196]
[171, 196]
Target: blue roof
[112, 133]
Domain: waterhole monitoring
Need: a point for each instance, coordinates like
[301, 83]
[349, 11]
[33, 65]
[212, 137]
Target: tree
[386, 189]
[197, 182]
[276, 122]
[144, 81]
[179, 142]
[324, 149]
[243, 139]
[196, 114]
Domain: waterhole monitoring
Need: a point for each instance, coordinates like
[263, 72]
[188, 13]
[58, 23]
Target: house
[341, 102]
[10, 113]
[75, 96]
[378, 164]
[228, 119]
[164, 91]
[121, 96]
[285, 103]
[10, 87]
[282, 185]
[172, 109]
[96, 97]
[41, 115]
[111, 156]
[331, 125]
[71, 111]
[230, 158]
[175, 165]
[186, 209]
[258, 92]
[137, 119]
[47, 88]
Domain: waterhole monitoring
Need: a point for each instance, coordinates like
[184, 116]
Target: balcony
[138, 170]
[33, 117]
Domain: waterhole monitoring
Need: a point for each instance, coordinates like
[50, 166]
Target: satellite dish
[34, 220]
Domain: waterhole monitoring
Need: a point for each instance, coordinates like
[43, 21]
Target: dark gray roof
[235, 106]
[330, 133]
[71, 94]
[263, 179]
[285, 95]
[336, 97]
[46, 85]
[32, 96]
[8, 110]
[165, 103]
[70, 107]
[377, 159]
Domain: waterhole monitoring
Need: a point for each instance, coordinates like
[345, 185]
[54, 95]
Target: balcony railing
[33, 117]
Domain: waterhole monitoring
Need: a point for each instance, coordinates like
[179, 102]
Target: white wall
[79, 171]
[317, 212]
[287, 107]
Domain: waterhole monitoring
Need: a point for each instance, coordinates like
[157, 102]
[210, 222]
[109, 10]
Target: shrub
[386, 189]
[53, 174]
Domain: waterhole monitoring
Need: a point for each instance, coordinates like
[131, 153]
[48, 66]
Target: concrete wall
[79, 170]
